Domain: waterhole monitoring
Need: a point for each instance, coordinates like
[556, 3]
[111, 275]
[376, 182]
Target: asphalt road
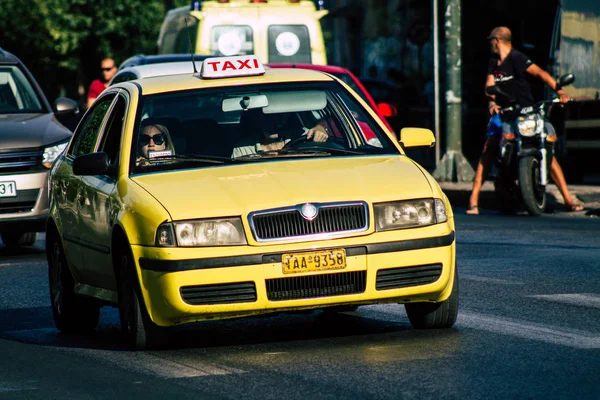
[528, 328]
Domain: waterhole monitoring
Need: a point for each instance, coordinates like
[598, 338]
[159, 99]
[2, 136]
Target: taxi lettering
[228, 67]
[242, 64]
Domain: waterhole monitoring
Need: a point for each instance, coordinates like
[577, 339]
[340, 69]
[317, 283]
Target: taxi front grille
[227, 293]
[290, 223]
[309, 287]
[23, 202]
[395, 278]
[20, 161]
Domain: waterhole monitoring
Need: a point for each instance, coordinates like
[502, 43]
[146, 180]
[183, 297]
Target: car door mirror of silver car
[64, 106]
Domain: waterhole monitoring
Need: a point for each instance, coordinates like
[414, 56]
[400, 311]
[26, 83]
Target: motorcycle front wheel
[532, 191]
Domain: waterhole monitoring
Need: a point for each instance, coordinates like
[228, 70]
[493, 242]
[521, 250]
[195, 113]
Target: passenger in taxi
[271, 132]
[154, 141]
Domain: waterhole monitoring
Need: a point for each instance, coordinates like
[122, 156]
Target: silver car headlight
[52, 152]
[207, 232]
[409, 214]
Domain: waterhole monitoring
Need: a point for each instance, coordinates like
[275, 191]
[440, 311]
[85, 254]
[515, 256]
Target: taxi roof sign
[227, 67]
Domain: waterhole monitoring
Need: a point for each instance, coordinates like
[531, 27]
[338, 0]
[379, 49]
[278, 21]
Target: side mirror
[415, 137]
[91, 164]
[64, 106]
[387, 110]
[565, 80]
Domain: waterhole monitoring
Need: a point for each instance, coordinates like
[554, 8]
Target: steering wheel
[294, 142]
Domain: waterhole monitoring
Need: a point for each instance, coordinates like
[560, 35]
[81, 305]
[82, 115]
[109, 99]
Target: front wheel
[532, 191]
[137, 329]
[435, 315]
[71, 313]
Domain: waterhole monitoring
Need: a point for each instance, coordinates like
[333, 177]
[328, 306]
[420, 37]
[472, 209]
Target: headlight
[409, 214]
[51, 153]
[209, 232]
[528, 125]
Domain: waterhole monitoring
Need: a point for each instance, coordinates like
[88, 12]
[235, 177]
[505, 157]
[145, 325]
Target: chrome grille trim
[20, 161]
[287, 223]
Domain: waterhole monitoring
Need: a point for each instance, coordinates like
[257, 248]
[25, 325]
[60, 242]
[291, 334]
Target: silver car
[31, 137]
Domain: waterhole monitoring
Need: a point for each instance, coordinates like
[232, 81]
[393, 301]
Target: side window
[88, 130]
[111, 141]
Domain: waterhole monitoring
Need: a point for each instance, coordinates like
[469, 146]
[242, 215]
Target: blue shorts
[494, 127]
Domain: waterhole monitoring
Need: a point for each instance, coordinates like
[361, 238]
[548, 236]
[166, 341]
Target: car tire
[435, 315]
[72, 313]
[18, 239]
[137, 329]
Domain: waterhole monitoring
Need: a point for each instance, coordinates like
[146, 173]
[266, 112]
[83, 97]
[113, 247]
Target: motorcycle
[525, 156]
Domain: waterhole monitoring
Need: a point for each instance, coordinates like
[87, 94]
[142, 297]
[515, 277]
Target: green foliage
[63, 41]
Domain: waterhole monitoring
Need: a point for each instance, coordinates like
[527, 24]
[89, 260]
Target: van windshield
[231, 40]
[289, 43]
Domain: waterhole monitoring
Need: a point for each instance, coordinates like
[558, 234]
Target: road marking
[489, 280]
[579, 299]
[182, 368]
[4, 389]
[163, 367]
[523, 329]
[530, 330]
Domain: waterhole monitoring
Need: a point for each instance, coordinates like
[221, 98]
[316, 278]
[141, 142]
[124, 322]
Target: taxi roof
[172, 83]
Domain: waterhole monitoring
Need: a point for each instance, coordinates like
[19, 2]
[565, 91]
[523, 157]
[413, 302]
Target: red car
[383, 110]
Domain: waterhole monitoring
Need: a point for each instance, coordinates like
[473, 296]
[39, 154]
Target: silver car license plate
[8, 189]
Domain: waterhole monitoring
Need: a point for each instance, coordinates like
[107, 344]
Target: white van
[277, 31]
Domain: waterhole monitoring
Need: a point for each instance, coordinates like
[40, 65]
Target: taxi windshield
[253, 123]
[16, 93]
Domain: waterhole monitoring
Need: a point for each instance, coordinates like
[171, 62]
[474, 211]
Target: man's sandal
[574, 207]
[473, 210]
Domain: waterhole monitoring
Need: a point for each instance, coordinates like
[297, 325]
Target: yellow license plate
[296, 263]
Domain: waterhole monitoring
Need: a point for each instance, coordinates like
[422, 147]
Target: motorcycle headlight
[52, 152]
[409, 214]
[208, 232]
[528, 125]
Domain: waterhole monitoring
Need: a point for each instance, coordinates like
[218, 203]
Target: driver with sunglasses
[154, 141]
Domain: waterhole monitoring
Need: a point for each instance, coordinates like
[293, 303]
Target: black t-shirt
[511, 77]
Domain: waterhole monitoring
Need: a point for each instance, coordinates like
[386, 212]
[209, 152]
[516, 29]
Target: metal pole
[453, 166]
[436, 81]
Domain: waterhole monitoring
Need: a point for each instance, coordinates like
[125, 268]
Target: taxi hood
[239, 189]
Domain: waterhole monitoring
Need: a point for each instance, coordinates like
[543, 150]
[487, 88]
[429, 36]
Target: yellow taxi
[277, 31]
[242, 190]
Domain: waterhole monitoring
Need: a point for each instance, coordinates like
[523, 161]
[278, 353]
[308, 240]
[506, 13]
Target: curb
[459, 192]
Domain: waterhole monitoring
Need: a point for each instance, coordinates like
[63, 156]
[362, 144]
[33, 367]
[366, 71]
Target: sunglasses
[106, 69]
[158, 139]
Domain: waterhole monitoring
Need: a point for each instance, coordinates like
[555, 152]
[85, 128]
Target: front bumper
[28, 211]
[179, 289]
